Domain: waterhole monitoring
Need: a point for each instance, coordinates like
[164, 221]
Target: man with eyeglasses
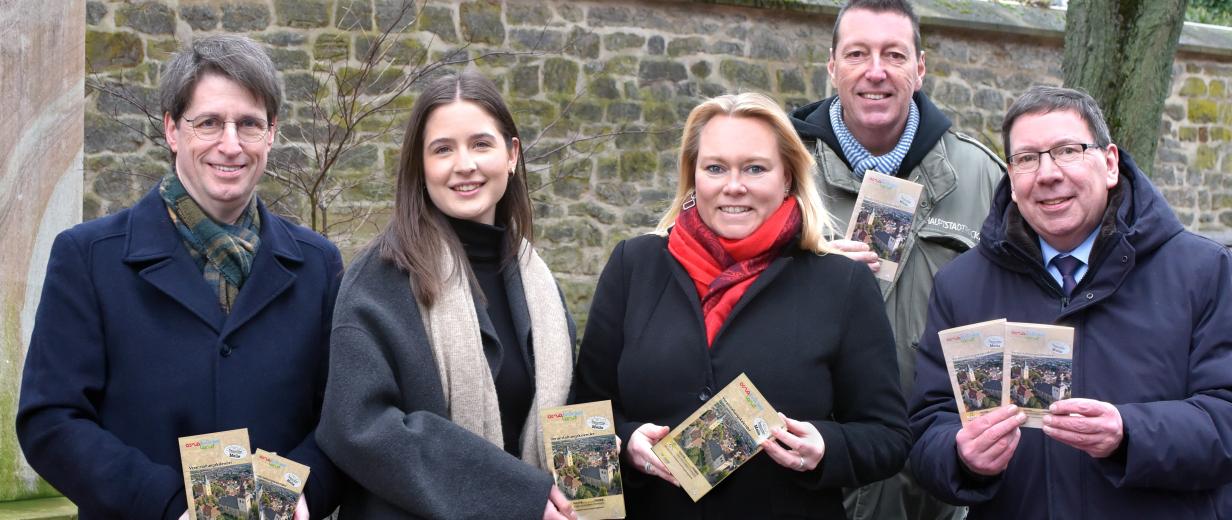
[1078, 236]
[195, 311]
[880, 119]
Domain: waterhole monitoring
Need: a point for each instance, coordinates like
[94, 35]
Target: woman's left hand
[804, 445]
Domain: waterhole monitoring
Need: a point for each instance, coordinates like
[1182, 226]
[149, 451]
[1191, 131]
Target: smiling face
[740, 177]
[876, 68]
[466, 161]
[219, 175]
[1065, 204]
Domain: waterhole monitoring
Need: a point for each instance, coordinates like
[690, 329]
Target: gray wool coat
[385, 421]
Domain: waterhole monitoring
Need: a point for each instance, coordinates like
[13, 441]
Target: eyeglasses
[1029, 162]
[209, 127]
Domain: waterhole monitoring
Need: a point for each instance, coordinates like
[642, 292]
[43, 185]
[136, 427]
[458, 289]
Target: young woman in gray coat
[450, 333]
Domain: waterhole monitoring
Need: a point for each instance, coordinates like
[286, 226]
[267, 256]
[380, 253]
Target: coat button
[1090, 296]
[225, 350]
[704, 395]
[1124, 259]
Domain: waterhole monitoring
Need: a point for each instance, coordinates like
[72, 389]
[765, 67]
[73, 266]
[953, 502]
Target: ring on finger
[647, 467]
[800, 465]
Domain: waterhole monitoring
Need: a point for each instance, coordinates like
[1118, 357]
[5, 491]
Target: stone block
[989, 99]
[655, 45]
[638, 166]
[363, 158]
[244, 17]
[1174, 111]
[560, 75]
[127, 99]
[623, 112]
[583, 44]
[438, 20]
[1205, 158]
[161, 49]
[621, 41]
[570, 12]
[200, 16]
[535, 14]
[685, 46]
[791, 81]
[575, 232]
[586, 111]
[656, 70]
[952, 94]
[299, 86]
[593, 210]
[481, 22]
[766, 46]
[610, 16]
[525, 81]
[1192, 87]
[95, 11]
[353, 15]
[331, 47]
[396, 14]
[146, 17]
[1187, 133]
[1217, 88]
[538, 39]
[640, 219]
[289, 59]
[571, 180]
[744, 74]
[700, 69]
[621, 65]
[616, 193]
[604, 87]
[106, 50]
[1202, 110]
[727, 48]
[302, 13]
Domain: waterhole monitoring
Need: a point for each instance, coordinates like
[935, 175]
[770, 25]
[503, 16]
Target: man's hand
[1092, 426]
[858, 251]
[986, 444]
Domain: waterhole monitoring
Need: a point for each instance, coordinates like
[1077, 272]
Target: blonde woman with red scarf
[738, 278]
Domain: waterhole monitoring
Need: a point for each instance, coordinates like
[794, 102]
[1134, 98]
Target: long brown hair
[418, 230]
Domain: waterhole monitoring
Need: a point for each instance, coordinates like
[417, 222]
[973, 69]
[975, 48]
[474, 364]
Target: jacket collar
[155, 247]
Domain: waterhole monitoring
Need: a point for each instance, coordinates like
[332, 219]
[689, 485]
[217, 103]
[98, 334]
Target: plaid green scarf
[223, 252]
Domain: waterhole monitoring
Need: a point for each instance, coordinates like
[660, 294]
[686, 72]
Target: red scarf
[722, 269]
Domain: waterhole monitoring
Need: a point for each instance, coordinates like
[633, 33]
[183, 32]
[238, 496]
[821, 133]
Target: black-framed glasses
[209, 127]
[1065, 154]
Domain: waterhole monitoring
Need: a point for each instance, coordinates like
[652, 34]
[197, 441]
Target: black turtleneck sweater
[515, 385]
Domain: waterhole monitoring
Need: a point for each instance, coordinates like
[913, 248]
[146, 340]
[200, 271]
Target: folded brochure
[280, 482]
[580, 444]
[218, 476]
[718, 438]
[882, 218]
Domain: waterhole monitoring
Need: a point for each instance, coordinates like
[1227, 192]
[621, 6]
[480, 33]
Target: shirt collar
[1082, 252]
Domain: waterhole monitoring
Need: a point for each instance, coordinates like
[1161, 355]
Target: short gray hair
[1043, 99]
[237, 58]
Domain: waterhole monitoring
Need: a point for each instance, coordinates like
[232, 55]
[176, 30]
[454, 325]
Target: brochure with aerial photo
[720, 436]
[218, 477]
[882, 218]
[1039, 367]
[580, 443]
[280, 482]
[975, 359]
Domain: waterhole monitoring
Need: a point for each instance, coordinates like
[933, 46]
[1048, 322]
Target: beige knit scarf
[470, 391]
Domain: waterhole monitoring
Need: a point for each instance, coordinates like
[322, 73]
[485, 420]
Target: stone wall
[41, 70]
[618, 77]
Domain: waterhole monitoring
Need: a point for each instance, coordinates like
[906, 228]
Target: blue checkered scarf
[223, 252]
[862, 160]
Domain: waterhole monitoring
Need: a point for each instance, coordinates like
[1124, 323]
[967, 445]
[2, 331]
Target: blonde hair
[817, 223]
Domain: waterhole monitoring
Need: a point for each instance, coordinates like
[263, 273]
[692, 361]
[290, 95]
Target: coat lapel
[519, 309]
[270, 275]
[156, 248]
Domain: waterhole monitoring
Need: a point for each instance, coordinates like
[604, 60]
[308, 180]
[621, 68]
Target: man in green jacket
[881, 121]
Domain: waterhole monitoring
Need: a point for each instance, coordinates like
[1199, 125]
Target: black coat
[812, 335]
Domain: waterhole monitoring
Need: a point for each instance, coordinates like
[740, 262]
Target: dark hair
[1043, 99]
[235, 57]
[902, 7]
[418, 229]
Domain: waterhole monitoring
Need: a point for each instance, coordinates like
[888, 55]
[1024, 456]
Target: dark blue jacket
[131, 350]
[1152, 325]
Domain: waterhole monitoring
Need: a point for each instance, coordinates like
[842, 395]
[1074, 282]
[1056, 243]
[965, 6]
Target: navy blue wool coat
[1152, 325]
[132, 350]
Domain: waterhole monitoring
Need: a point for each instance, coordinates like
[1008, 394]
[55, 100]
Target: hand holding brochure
[580, 443]
[882, 218]
[995, 363]
[218, 477]
[719, 437]
[280, 482]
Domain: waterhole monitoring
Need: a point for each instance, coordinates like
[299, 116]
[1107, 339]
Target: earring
[689, 202]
